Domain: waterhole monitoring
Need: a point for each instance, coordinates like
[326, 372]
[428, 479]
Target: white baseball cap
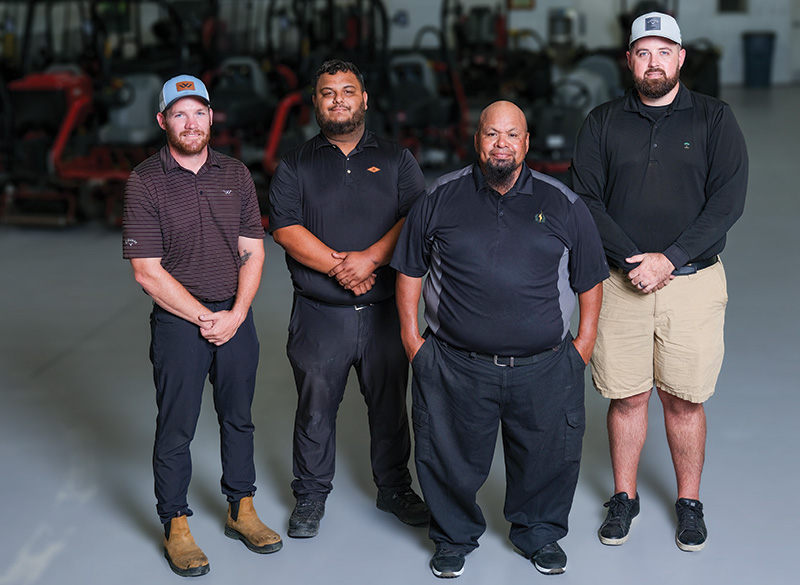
[180, 87]
[655, 24]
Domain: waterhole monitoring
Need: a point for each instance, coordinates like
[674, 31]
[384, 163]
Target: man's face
[501, 143]
[655, 63]
[339, 103]
[188, 125]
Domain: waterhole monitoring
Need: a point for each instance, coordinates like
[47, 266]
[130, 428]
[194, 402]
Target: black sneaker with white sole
[550, 559]
[691, 533]
[621, 511]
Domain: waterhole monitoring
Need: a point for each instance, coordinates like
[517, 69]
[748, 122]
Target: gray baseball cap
[655, 24]
[180, 87]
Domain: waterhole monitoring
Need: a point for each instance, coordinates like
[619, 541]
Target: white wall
[698, 19]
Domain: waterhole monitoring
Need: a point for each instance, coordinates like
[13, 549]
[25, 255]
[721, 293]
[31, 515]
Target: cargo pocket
[573, 440]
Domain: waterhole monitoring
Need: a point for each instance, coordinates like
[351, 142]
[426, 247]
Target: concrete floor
[77, 418]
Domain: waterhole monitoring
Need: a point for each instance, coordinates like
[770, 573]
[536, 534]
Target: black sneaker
[405, 504]
[621, 510]
[550, 559]
[691, 533]
[304, 521]
[447, 564]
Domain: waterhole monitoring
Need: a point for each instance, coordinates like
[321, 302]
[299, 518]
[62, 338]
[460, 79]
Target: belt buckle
[510, 363]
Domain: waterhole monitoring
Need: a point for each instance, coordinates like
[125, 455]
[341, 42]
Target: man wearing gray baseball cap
[192, 231]
[664, 172]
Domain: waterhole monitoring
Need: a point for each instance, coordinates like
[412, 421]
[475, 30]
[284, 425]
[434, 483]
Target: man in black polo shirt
[337, 204]
[664, 172]
[192, 230]
[506, 249]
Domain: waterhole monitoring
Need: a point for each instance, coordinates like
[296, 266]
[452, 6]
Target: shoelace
[406, 499]
[687, 518]
[618, 509]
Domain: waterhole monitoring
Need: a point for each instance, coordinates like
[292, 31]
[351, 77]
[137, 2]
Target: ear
[161, 121]
[210, 116]
[366, 97]
[681, 57]
[628, 59]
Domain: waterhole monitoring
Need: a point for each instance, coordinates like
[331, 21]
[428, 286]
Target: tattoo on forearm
[245, 257]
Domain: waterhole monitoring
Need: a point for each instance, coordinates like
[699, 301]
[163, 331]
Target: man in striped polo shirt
[192, 231]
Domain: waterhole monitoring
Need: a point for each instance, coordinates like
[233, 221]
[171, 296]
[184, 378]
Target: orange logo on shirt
[185, 86]
[373, 169]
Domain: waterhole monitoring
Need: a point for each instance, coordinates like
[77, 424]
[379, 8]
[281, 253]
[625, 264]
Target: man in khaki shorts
[664, 172]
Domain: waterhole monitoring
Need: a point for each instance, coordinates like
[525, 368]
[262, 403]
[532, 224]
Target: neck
[664, 100]
[346, 142]
[190, 162]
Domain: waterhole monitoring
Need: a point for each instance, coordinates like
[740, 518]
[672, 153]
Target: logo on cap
[653, 23]
[185, 86]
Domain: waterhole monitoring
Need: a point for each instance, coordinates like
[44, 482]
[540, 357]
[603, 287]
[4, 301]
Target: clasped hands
[653, 272]
[354, 272]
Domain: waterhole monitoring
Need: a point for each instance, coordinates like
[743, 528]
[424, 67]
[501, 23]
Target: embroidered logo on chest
[373, 169]
[539, 217]
[227, 191]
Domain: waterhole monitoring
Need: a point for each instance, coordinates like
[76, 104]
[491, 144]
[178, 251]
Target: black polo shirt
[673, 184]
[502, 270]
[348, 202]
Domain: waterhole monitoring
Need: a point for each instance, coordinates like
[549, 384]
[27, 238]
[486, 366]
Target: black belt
[693, 267]
[506, 361]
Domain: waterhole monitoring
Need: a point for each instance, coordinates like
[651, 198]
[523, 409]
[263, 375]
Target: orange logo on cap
[185, 86]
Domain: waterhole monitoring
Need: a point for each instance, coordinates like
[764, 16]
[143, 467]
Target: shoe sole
[447, 574]
[190, 572]
[545, 571]
[302, 533]
[689, 547]
[262, 550]
[613, 541]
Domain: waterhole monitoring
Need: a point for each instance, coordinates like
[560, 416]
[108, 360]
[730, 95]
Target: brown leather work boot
[243, 524]
[184, 556]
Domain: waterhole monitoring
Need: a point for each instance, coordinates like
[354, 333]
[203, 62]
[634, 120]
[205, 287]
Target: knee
[678, 406]
[631, 404]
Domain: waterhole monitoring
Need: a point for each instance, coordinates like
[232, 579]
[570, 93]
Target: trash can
[758, 48]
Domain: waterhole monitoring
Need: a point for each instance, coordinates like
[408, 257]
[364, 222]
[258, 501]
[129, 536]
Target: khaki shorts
[672, 338]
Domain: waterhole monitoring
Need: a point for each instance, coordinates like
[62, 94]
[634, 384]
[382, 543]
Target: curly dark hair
[333, 66]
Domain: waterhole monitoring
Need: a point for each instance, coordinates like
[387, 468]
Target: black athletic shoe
[621, 510]
[691, 533]
[447, 564]
[405, 504]
[304, 521]
[550, 559]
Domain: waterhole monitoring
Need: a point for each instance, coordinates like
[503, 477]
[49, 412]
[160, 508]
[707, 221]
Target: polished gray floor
[77, 419]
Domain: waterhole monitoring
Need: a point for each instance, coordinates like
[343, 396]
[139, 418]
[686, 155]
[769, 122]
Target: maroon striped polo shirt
[192, 222]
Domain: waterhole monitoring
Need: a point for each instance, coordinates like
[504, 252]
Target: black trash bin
[758, 49]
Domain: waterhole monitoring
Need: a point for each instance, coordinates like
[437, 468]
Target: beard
[499, 174]
[658, 87]
[174, 140]
[340, 127]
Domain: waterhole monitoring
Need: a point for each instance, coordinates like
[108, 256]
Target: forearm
[381, 251]
[306, 248]
[168, 293]
[589, 304]
[407, 293]
[251, 252]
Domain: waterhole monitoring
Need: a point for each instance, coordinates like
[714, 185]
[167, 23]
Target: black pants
[458, 403]
[324, 343]
[182, 359]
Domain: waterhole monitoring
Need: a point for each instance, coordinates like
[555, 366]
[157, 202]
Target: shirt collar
[168, 162]
[367, 140]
